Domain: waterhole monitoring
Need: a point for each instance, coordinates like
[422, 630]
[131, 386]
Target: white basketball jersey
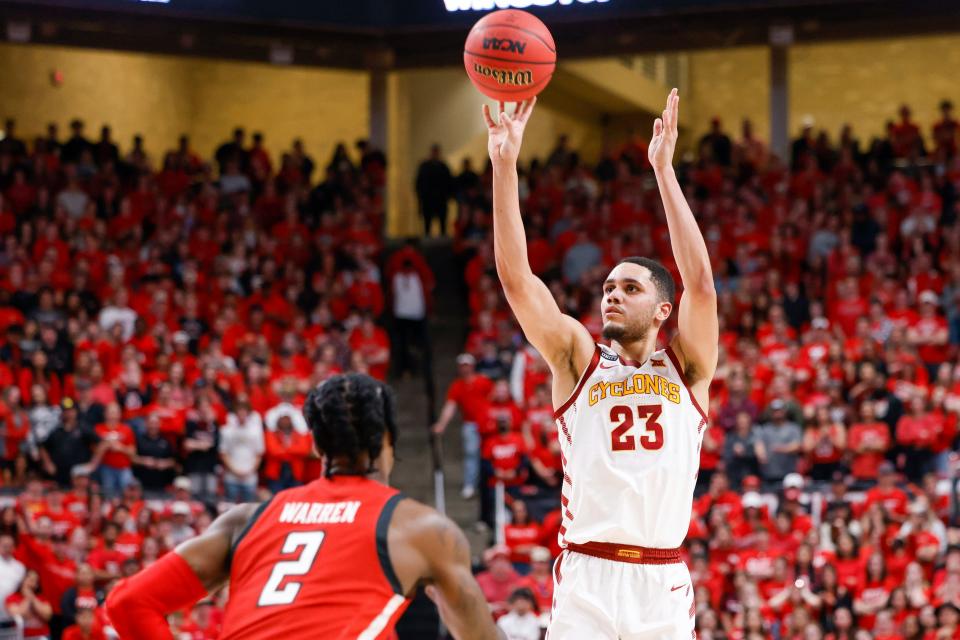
[630, 438]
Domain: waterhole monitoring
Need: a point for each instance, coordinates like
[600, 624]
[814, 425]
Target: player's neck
[637, 350]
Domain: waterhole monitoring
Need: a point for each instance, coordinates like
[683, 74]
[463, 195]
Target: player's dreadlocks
[348, 415]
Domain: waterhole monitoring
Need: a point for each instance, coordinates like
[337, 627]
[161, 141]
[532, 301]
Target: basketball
[510, 55]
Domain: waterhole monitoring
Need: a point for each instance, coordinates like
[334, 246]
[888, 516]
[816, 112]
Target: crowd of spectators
[826, 505]
[160, 326]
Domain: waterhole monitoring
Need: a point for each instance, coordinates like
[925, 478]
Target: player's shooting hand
[664, 141]
[506, 134]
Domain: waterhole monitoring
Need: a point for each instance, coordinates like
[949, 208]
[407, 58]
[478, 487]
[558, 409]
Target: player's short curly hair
[348, 415]
[659, 274]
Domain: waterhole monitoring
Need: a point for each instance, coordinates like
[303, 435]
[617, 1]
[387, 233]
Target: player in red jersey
[337, 558]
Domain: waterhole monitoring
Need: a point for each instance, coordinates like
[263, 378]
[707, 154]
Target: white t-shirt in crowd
[518, 627]
[242, 444]
[408, 300]
[11, 574]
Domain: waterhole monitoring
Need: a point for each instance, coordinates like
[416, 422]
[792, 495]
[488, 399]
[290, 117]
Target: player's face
[631, 307]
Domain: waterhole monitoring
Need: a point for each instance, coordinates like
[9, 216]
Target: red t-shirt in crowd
[122, 434]
[109, 560]
[56, 574]
[73, 632]
[894, 500]
[865, 466]
[518, 535]
[918, 431]
[472, 397]
[505, 452]
[33, 625]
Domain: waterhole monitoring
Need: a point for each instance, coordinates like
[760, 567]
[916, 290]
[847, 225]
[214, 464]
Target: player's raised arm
[563, 342]
[138, 606]
[697, 343]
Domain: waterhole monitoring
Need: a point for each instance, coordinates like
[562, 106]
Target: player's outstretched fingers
[487, 117]
[657, 127]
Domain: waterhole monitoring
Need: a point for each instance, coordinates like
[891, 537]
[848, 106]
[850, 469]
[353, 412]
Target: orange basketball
[510, 55]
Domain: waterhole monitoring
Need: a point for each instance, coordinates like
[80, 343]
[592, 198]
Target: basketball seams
[514, 60]
[516, 28]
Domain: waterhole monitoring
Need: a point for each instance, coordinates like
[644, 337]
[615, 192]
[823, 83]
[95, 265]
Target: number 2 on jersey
[272, 594]
[622, 414]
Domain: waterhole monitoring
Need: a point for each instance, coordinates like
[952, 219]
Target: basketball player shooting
[337, 558]
[629, 417]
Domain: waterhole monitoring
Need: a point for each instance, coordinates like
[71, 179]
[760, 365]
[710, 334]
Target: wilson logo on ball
[503, 44]
[512, 77]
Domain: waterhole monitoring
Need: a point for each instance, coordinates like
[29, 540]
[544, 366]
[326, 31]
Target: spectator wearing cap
[180, 529]
[522, 621]
[181, 493]
[90, 413]
[155, 462]
[241, 450]
[540, 578]
[470, 394]
[782, 442]
[68, 446]
[115, 453]
[500, 578]
[744, 450]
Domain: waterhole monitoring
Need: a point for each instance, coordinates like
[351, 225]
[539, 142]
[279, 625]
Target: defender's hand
[505, 136]
[664, 141]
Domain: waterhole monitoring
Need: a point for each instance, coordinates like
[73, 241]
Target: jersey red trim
[583, 380]
[676, 364]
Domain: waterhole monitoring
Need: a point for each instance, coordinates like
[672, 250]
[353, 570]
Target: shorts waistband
[626, 553]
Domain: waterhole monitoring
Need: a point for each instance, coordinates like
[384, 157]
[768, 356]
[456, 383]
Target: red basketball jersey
[313, 563]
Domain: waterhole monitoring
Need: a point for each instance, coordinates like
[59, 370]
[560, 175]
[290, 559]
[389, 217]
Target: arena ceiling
[410, 33]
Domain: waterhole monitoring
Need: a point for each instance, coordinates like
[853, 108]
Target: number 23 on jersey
[624, 417]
